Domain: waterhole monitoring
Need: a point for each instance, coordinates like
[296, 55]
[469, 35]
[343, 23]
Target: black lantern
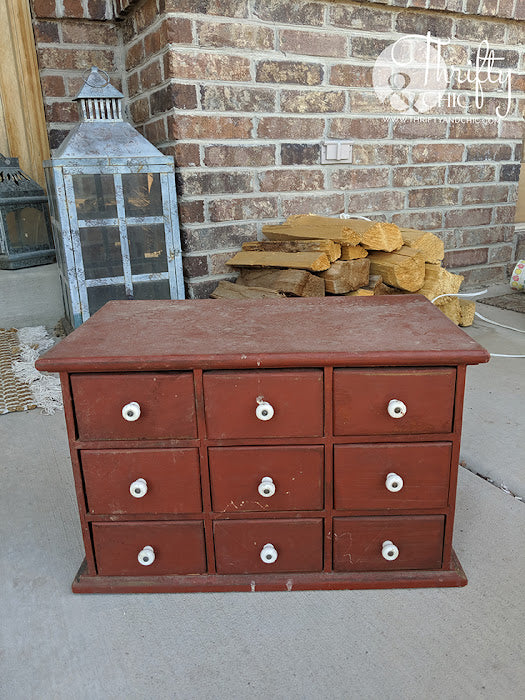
[25, 230]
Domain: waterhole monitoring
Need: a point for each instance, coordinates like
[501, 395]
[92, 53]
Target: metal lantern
[25, 231]
[113, 208]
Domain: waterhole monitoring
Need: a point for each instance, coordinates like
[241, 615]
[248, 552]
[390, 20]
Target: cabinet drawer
[295, 396]
[166, 405]
[239, 544]
[359, 543]
[178, 548]
[237, 473]
[362, 475]
[362, 398]
[142, 481]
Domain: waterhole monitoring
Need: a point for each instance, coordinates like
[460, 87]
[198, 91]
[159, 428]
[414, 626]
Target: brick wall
[242, 93]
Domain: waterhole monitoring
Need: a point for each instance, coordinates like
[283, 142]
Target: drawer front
[178, 548]
[359, 543]
[166, 403]
[295, 398]
[237, 474]
[142, 481]
[401, 475]
[362, 398]
[296, 544]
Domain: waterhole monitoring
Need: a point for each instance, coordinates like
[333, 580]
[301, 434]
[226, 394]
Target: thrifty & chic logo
[412, 76]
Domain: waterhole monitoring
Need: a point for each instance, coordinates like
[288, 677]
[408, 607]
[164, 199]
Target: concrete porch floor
[393, 644]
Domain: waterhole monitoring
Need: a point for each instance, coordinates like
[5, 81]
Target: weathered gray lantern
[113, 208]
[25, 231]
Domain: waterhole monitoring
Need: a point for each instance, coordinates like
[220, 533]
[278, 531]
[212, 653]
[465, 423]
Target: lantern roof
[97, 86]
[14, 183]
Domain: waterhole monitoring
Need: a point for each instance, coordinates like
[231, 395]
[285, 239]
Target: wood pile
[312, 255]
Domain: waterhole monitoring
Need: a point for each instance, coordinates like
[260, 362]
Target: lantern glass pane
[147, 248]
[142, 194]
[101, 252]
[27, 229]
[98, 296]
[95, 197]
[156, 289]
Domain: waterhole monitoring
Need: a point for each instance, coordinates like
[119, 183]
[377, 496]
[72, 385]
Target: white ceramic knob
[146, 556]
[268, 553]
[389, 551]
[131, 411]
[138, 488]
[393, 482]
[266, 487]
[396, 408]
[264, 410]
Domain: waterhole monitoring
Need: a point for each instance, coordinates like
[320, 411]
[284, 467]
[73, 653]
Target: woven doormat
[14, 394]
[515, 301]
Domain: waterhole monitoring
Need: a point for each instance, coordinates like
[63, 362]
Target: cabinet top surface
[212, 333]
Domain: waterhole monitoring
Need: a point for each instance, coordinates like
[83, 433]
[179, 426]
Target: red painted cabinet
[265, 445]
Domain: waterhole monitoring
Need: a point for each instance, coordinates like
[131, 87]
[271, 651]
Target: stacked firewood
[310, 256]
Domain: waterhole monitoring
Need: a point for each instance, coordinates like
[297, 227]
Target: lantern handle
[90, 71]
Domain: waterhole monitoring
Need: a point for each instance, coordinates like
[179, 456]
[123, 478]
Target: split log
[376, 235]
[432, 247]
[346, 276]
[375, 284]
[363, 292]
[229, 290]
[297, 283]
[331, 249]
[316, 262]
[439, 281]
[308, 226]
[404, 269]
[450, 307]
[467, 309]
[353, 252]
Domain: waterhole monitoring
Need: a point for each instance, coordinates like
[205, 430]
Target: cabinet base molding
[202, 583]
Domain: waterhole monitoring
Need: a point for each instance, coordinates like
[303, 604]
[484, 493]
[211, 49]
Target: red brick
[139, 110]
[300, 154]
[46, 32]
[202, 289]
[482, 276]
[135, 55]
[290, 128]
[218, 262]
[291, 180]
[371, 20]
[483, 194]
[468, 217]
[196, 184]
[61, 112]
[202, 238]
[173, 96]
[156, 131]
[191, 212]
[45, 8]
[195, 265]
[242, 36]
[204, 127]
[489, 152]
[504, 215]
[359, 178]
[370, 128]
[176, 30]
[368, 47]
[463, 258]
[411, 176]
[103, 33]
[481, 236]
[56, 136]
[458, 174]
[320, 204]
[53, 86]
[513, 130]
[421, 23]
[224, 8]
[145, 15]
[75, 59]
[500, 253]
[474, 129]
[239, 156]
[437, 153]
[97, 9]
[74, 9]
[243, 209]
[185, 154]
[153, 42]
[410, 129]
[351, 75]
[379, 154]
[226, 98]
[151, 75]
[433, 197]
[299, 12]
[214, 66]
[289, 72]
[312, 43]
[133, 84]
[374, 201]
[421, 220]
[476, 30]
[365, 102]
[318, 101]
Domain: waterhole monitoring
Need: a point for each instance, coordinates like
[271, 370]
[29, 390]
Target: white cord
[353, 216]
[488, 320]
